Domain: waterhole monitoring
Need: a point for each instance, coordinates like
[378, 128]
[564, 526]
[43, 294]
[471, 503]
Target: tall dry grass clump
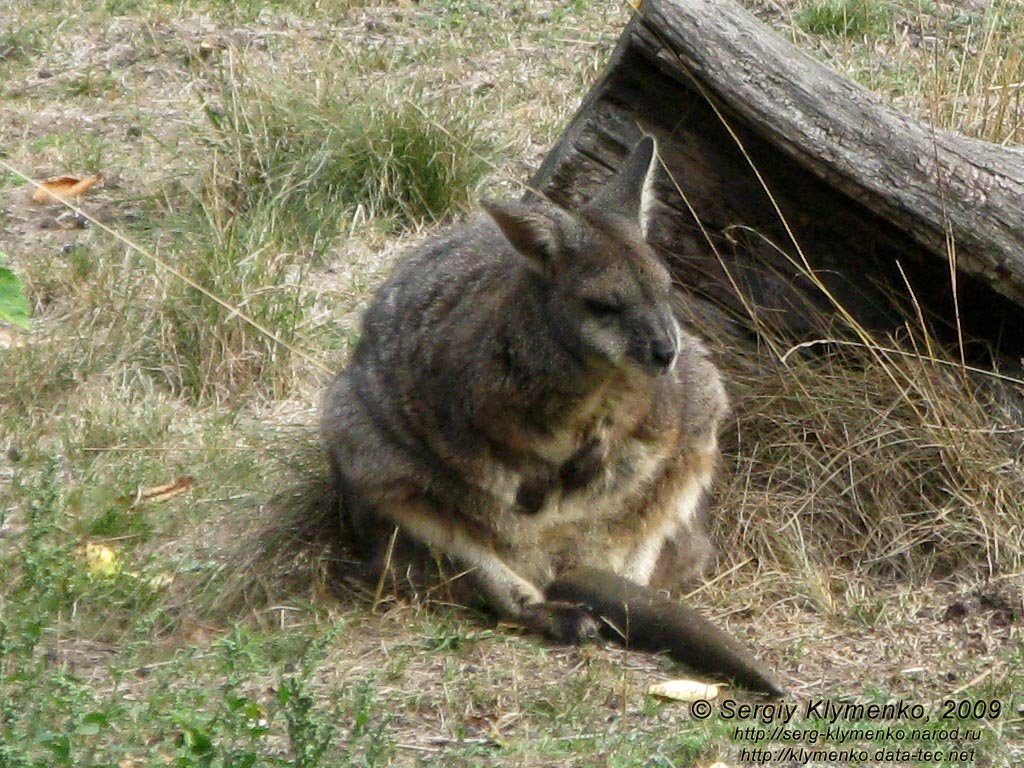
[858, 457]
[977, 91]
[866, 455]
[295, 168]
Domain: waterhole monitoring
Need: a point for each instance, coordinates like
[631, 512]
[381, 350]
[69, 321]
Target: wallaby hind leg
[683, 558]
[505, 591]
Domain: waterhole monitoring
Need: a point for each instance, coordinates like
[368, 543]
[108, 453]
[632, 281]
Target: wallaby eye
[601, 307]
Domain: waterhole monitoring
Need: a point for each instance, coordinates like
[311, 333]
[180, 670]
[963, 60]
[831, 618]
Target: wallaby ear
[629, 194]
[535, 230]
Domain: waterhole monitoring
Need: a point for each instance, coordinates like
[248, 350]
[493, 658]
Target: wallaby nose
[663, 352]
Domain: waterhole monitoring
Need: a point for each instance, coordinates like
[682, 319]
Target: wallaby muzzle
[655, 347]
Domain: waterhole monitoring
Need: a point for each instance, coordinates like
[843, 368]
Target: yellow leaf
[101, 560]
[684, 690]
[64, 188]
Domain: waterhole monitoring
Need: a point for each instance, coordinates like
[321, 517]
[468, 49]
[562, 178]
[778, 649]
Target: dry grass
[849, 467]
[957, 65]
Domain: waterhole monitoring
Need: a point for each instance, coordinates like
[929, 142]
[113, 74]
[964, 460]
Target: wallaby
[524, 402]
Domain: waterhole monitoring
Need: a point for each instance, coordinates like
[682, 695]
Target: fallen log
[793, 195]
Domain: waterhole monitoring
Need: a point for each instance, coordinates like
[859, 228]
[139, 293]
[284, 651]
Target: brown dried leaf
[161, 493]
[64, 188]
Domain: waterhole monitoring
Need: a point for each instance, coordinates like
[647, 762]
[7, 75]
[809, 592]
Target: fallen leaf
[101, 561]
[160, 493]
[64, 188]
[167, 491]
[684, 690]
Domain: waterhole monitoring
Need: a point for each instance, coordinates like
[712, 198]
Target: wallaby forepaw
[561, 622]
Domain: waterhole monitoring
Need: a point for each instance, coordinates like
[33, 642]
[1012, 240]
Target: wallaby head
[603, 284]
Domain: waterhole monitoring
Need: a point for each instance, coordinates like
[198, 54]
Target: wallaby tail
[641, 618]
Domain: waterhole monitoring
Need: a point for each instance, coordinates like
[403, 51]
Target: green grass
[134, 694]
[14, 307]
[60, 708]
[18, 45]
[312, 158]
[845, 18]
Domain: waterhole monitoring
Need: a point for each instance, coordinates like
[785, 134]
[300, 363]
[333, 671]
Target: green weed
[14, 306]
[320, 159]
[45, 568]
[845, 18]
[53, 713]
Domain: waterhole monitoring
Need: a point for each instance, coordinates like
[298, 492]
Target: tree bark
[793, 195]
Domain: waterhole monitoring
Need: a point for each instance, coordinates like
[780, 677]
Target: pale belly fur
[611, 524]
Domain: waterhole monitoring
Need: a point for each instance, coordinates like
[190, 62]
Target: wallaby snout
[662, 352]
[654, 347]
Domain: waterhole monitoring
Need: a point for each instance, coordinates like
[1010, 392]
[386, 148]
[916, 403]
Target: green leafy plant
[14, 307]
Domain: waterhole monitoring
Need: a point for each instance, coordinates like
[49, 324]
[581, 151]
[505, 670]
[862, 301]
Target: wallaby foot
[569, 623]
